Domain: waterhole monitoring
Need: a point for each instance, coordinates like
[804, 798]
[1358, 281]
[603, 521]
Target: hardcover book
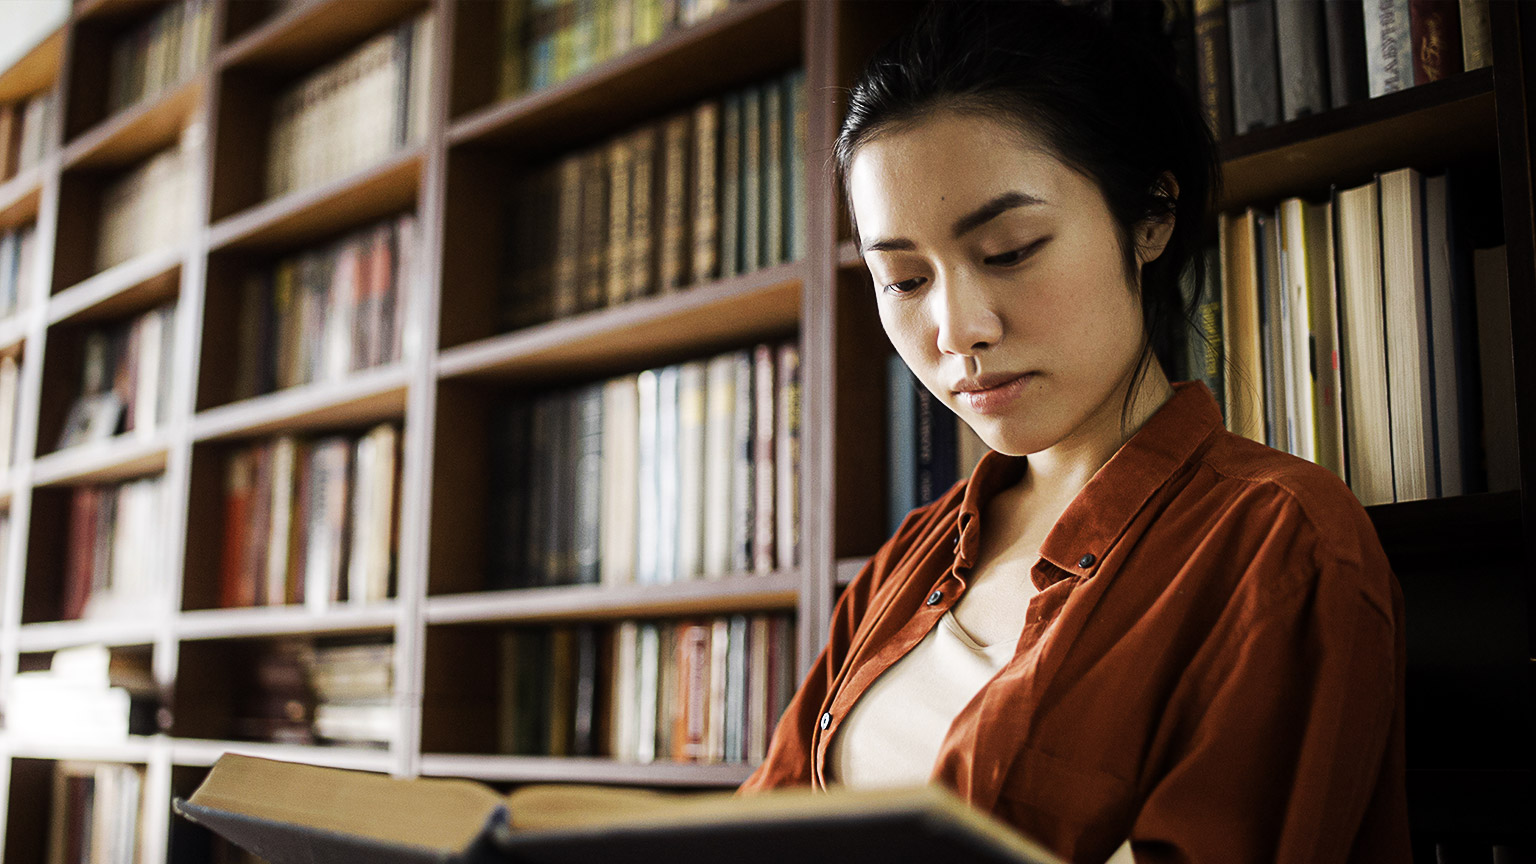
[290, 813]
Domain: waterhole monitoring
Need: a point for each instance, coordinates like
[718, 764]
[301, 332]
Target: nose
[965, 316]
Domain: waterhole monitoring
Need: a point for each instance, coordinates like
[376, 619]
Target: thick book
[289, 813]
[1299, 31]
[1255, 69]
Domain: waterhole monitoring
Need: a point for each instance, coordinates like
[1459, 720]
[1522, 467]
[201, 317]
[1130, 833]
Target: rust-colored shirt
[1213, 666]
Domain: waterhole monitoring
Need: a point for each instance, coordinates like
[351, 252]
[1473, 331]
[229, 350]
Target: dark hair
[1099, 98]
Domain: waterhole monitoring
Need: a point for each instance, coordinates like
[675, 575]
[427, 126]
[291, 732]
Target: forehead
[946, 165]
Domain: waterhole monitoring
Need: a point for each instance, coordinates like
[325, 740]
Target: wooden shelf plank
[139, 283]
[135, 748]
[53, 635]
[737, 593]
[1423, 126]
[36, 70]
[573, 769]
[137, 131]
[284, 620]
[304, 34]
[122, 457]
[372, 193]
[204, 752]
[742, 44]
[651, 330]
[366, 397]
[20, 198]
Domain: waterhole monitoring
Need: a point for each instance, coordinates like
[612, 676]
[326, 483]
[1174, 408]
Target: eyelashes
[1005, 259]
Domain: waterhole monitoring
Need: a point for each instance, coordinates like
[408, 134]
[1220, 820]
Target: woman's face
[999, 278]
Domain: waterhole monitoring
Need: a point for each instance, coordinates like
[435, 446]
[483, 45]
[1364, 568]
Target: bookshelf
[1465, 562]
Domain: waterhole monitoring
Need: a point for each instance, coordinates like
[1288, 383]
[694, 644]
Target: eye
[904, 287]
[1017, 255]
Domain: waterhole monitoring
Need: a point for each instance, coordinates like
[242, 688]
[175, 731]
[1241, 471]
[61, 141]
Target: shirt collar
[1101, 511]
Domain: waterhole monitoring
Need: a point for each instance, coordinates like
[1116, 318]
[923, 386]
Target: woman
[1130, 632]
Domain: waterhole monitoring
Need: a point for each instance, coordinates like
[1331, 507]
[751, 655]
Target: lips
[988, 394]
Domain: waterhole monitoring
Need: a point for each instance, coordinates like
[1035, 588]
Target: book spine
[648, 506]
[765, 388]
[620, 171]
[1476, 35]
[743, 519]
[706, 181]
[1300, 34]
[1255, 83]
[787, 457]
[667, 472]
[1435, 27]
[567, 286]
[1345, 28]
[730, 186]
[773, 175]
[644, 196]
[674, 258]
[594, 229]
[1388, 46]
[691, 473]
[794, 177]
[718, 468]
[751, 179]
[589, 483]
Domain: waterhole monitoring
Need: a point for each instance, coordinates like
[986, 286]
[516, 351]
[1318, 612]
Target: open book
[289, 813]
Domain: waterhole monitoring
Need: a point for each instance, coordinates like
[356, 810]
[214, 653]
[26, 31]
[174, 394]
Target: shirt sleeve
[1275, 739]
[788, 760]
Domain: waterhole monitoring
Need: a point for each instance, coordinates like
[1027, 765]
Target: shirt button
[935, 597]
[1086, 560]
[826, 720]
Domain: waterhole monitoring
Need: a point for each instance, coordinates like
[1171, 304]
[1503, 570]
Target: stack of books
[160, 53]
[354, 112]
[323, 314]
[311, 522]
[686, 472]
[544, 42]
[691, 690]
[1263, 61]
[703, 194]
[126, 378]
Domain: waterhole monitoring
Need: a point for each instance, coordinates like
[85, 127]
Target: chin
[1013, 437]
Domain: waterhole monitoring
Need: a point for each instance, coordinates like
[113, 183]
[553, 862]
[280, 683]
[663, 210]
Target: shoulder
[1307, 523]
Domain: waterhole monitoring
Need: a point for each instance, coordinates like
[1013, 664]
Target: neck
[1061, 471]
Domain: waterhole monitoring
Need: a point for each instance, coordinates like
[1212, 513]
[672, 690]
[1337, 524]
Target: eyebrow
[969, 222]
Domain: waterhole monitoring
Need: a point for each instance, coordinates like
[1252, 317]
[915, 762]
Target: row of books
[690, 690]
[25, 132]
[327, 312]
[1353, 331]
[87, 694]
[18, 267]
[115, 557]
[10, 393]
[1261, 61]
[928, 448]
[311, 522]
[303, 692]
[707, 193]
[685, 472]
[544, 42]
[147, 208]
[125, 381]
[96, 813]
[353, 112]
[160, 52]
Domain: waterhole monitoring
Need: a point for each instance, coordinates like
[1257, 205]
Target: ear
[1152, 235]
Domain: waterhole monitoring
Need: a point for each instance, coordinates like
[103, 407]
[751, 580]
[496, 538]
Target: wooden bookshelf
[1465, 563]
